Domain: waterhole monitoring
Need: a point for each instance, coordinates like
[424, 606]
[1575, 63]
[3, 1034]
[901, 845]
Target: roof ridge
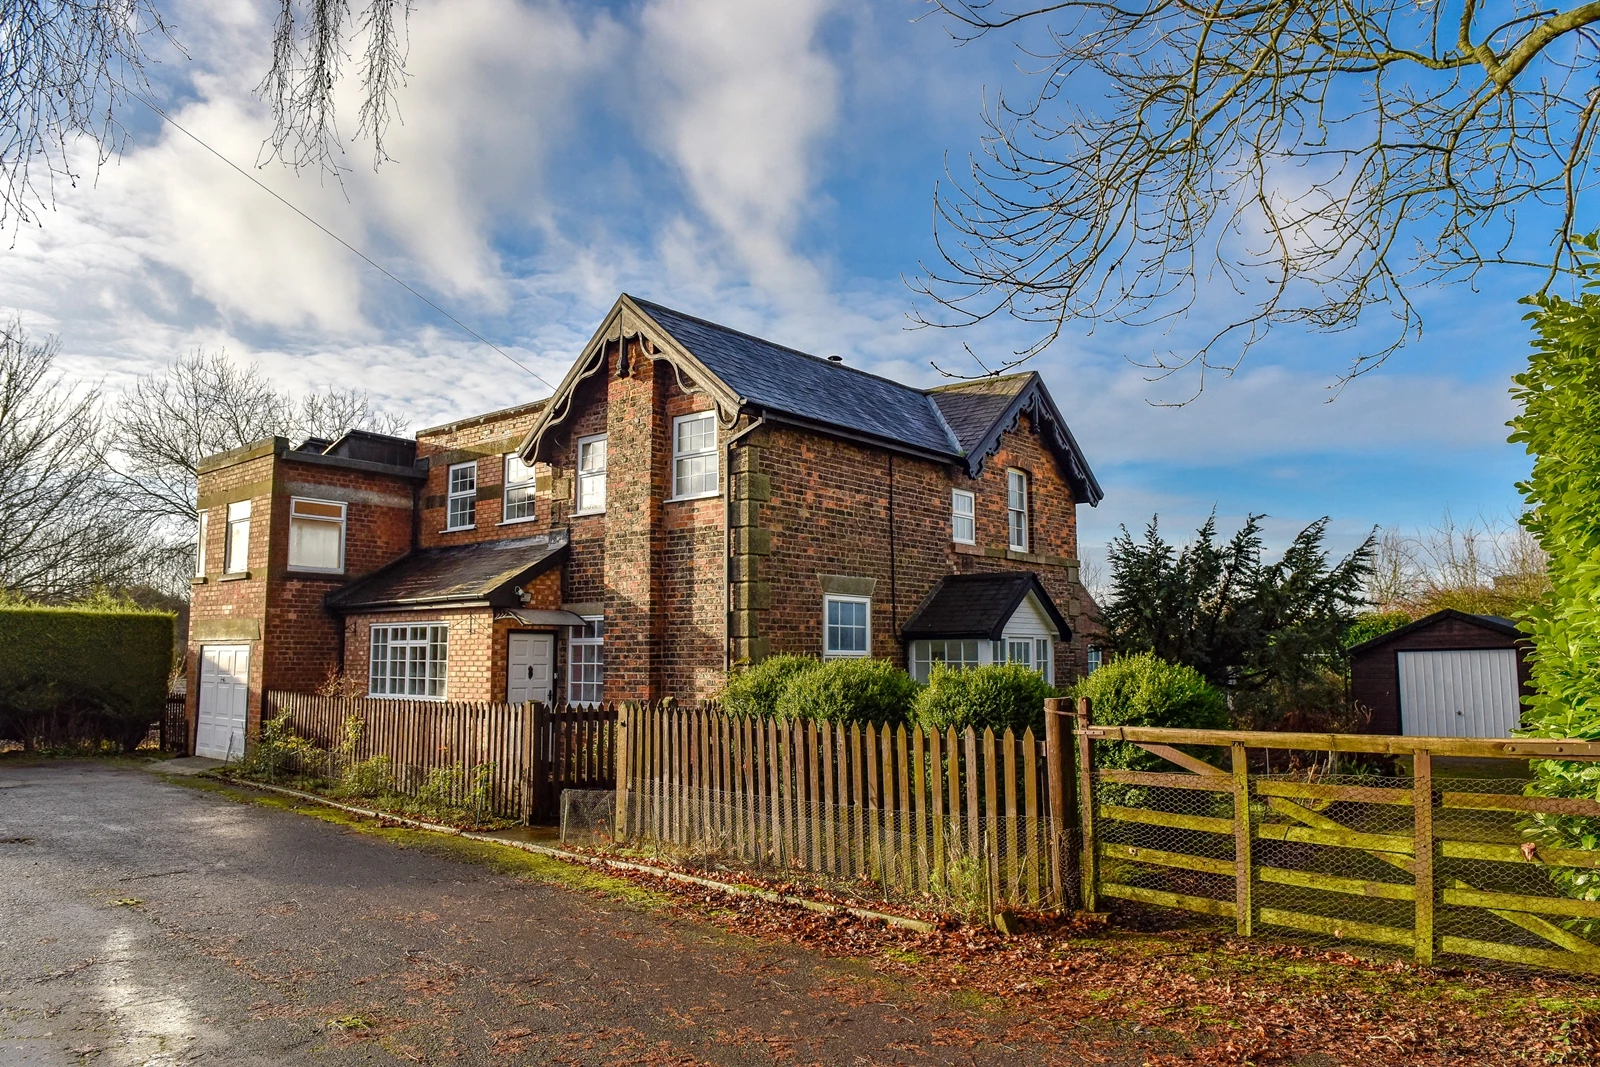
[987, 380]
[840, 365]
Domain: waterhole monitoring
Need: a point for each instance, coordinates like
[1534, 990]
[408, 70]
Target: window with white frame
[694, 455]
[1035, 653]
[1093, 657]
[957, 655]
[847, 626]
[1017, 508]
[591, 474]
[200, 546]
[1019, 650]
[963, 517]
[316, 535]
[462, 494]
[1042, 659]
[519, 490]
[236, 549]
[586, 663]
[409, 661]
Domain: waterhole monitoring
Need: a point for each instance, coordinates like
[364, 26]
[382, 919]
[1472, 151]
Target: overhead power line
[374, 264]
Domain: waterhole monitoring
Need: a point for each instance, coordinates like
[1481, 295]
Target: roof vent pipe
[835, 359]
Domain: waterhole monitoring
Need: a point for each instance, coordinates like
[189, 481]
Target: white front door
[530, 668]
[1466, 693]
[224, 696]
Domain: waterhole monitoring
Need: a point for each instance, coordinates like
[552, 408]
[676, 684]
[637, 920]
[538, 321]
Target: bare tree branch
[1317, 159]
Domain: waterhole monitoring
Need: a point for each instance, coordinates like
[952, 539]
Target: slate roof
[789, 381]
[1495, 623]
[484, 572]
[979, 605]
[972, 408]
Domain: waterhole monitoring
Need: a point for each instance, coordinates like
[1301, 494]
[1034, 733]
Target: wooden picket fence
[528, 753]
[908, 812]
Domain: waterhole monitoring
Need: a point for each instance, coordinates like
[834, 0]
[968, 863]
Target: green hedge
[754, 691]
[74, 675]
[999, 696]
[1145, 690]
[849, 691]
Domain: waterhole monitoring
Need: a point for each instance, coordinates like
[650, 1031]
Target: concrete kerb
[919, 925]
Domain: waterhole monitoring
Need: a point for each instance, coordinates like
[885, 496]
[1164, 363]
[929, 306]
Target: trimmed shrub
[1145, 690]
[80, 675]
[755, 689]
[849, 691]
[998, 696]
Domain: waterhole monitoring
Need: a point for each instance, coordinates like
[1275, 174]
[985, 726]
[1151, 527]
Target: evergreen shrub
[849, 691]
[754, 690]
[998, 696]
[1144, 690]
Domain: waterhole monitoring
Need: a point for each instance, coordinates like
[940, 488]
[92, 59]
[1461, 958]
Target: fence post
[1060, 781]
[1244, 913]
[1422, 819]
[621, 755]
[1089, 868]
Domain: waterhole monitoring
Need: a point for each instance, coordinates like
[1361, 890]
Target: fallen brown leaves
[1191, 997]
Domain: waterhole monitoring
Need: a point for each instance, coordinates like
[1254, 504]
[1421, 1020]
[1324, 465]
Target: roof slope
[979, 605]
[807, 386]
[972, 408]
[479, 572]
[1494, 623]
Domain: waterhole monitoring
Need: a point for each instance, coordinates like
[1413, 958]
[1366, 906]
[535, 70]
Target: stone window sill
[198, 579]
[236, 576]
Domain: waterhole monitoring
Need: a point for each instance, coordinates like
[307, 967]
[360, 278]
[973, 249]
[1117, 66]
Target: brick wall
[484, 440]
[476, 665]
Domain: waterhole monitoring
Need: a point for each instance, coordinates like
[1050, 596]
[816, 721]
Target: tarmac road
[147, 923]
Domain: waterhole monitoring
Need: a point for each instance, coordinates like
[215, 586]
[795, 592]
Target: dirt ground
[151, 922]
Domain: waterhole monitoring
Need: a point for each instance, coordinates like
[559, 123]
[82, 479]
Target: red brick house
[690, 498]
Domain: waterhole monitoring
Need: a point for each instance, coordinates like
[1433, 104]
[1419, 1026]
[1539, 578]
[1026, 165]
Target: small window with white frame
[410, 660]
[316, 535]
[236, 549]
[963, 517]
[586, 662]
[200, 545]
[694, 455]
[462, 497]
[591, 475]
[847, 626]
[956, 655]
[1093, 657]
[518, 490]
[1017, 509]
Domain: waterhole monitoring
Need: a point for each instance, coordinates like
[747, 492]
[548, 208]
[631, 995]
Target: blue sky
[766, 163]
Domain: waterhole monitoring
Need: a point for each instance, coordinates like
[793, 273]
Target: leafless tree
[1488, 566]
[69, 67]
[1318, 160]
[202, 404]
[64, 530]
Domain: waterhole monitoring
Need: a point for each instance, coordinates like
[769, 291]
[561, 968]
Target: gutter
[727, 541]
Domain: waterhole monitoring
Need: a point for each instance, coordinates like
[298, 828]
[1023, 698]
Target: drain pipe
[727, 542]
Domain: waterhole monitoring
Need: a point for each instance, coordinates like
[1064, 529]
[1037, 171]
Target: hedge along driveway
[69, 674]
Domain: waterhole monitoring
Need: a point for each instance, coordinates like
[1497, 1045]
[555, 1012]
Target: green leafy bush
[84, 674]
[849, 691]
[998, 696]
[755, 690]
[1374, 624]
[1560, 426]
[1144, 690]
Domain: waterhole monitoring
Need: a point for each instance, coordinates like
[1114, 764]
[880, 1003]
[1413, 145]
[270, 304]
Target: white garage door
[224, 692]
[1467, 693]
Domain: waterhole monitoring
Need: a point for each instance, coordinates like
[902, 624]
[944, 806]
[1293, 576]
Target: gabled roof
[746, 374]
[979, 605]
[1494, 623]
[483, 573]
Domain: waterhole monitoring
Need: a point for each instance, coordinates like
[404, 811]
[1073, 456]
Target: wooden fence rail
[915, 812]
[526, 753]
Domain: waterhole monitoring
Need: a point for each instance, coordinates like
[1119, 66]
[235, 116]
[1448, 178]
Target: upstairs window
[694, 455]
[316, 535]
[847, 626]
[1017, 509]
[519, 490]
[591, 474]
[200, 546]
[963, 517]
[463, 497]
[236, 550]
[586, 665]
[409, 661]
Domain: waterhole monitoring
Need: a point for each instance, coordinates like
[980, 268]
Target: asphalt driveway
[145, 922]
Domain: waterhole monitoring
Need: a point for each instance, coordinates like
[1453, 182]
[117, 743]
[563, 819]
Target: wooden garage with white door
[1449, 674]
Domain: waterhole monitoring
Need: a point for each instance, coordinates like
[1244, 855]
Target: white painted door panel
[1465, 693]
[530, 668]
[224, 698]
